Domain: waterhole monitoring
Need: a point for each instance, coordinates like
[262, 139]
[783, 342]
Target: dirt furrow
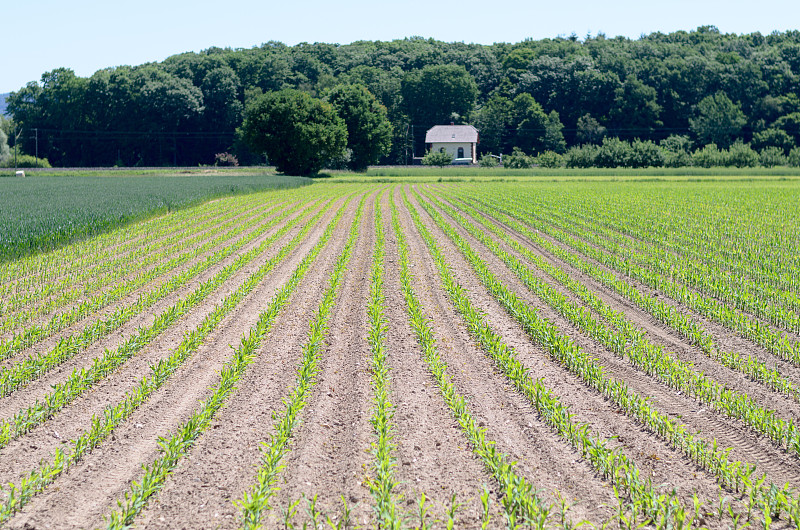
[330, 453]
[225, 461]
[779, 466]
[660, 333]
[154, 282]
[547, 461]
[11, 404]
[100, 480]
[24, 452]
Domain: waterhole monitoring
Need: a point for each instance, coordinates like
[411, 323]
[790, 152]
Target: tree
[773, 138]
[298, 133]
[437, 158]
[369, 133]
[635, 111]
[718, 120]
[589, 130]
[435, 94]
[5, 153]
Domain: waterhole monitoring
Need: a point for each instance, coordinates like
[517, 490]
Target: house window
[441, 149]
[460, 152]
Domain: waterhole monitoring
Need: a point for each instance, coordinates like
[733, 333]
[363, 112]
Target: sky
[90, 35]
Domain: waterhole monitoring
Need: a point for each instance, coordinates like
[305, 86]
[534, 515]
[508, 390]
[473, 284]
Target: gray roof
[451, 133]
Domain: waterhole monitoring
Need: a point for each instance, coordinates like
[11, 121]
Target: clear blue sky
[89, 35]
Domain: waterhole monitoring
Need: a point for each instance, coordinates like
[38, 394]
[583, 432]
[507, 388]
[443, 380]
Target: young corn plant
[256, 500]
[18, 495]
[522, 505]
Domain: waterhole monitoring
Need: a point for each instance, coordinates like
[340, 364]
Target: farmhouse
[459, 140]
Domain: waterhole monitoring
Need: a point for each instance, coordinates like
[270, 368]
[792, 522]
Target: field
[413, 355]
[57, 206]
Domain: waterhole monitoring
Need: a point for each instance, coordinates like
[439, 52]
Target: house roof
[451, 133]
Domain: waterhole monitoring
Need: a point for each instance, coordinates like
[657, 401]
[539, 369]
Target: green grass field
[44, 212]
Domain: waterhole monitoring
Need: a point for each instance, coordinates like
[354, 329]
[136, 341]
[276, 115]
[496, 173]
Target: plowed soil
[329, 467]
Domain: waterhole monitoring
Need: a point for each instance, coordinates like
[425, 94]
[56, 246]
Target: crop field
[413, 355]
[45, 212]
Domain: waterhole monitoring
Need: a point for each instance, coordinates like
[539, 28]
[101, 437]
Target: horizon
[86, 37]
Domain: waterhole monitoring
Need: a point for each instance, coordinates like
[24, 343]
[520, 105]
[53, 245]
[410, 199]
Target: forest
[686, 92]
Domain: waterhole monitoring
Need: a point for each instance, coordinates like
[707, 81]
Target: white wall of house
[452, 148]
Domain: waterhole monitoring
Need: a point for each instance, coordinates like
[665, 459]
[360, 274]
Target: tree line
[689, 88]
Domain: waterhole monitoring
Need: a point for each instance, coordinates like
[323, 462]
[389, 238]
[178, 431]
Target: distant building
[461, 141]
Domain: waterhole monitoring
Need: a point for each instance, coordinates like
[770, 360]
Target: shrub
[581, 156]
[645, 154]
[518, 160]
[549, 159]
[708, 156]
[794, 157]
[225, 159]
[773, 138]
[741, 155]
[614, 153]
[772, 156]
[26, 161]
[437, 158]
[488, 161]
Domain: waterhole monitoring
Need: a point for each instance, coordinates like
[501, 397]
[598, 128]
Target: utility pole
[16, 141]
[37, 146]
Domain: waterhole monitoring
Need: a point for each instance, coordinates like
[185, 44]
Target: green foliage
[635, 111]
[581, 156]
[590, 131]
[25, 161]
[794, 157]
[437, 158]
[773, 138]
[718, 120]
[676, 151]
[614, 152]
[549, 159]
[488, 160]
[740, 155]
[772, 156]
[369, 133]
[708, 156]
[4, 150]
[434, 94]
[518, 160]
[42, 213]
[298, 133]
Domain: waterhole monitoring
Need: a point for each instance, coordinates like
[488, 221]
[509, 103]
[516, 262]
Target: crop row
[256, 500]
[137, 266]
[83, 379]
[668, 314]
[59, 321]
[748, 327]
[81, 254]
[102, 425]
[35, 366]
[731, 474]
